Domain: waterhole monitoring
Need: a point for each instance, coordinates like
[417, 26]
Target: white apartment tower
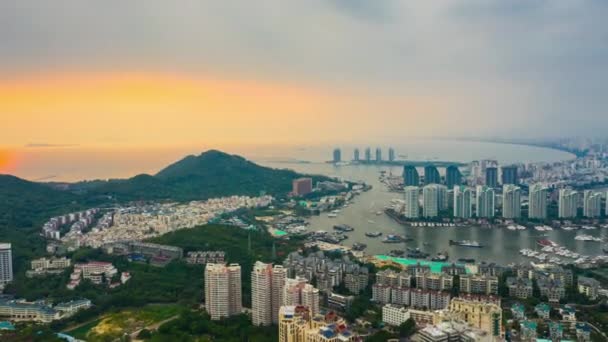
[298, 292]
[485, 201]
[430, 198]
[223, 290]
[463, 203]
[267, 285]
[6, 264]
[511, 201]
[537, 208]
[567, 206]
[592, 204]
[410, 209]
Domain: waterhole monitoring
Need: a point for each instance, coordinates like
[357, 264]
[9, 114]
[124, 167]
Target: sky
[156, 73]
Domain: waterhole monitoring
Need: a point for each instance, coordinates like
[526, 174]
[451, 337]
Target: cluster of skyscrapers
[377, 158]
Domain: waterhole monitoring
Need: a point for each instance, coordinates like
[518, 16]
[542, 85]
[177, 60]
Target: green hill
[210, 174]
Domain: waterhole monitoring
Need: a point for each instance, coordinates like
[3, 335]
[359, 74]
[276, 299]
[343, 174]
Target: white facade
[410, 209]
[568, 203]
[223, 290]
[485, 202]
[463, 203]
[394, 315]
[267, 285]
[6, 263]
[537, 208]
[592, 204]
[430, 196]
[511, 201]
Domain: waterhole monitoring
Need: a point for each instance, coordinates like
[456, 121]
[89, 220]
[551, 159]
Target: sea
[501, 245]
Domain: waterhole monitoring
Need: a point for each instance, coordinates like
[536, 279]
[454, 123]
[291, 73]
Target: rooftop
[434, 265]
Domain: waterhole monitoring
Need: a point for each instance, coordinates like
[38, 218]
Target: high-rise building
[410, 176]
[430, 198]
[337, 155]
[294, 322]
[368, 154]
[463, 202]
[411, 194]
[356, 155]
[485, 201]
[378, 154]
[297, 291]
[509, 175]
[391, 154]
[592, 204]
[267, 285]
[431, 175]
[511, 201]
[301, 186]
[223, 290]
[492, 177]
[537, 208]
[568, 203]
[442, 197]
[452, 176]
[6, 263]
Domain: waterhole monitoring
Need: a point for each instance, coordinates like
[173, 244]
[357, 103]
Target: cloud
[521, 67]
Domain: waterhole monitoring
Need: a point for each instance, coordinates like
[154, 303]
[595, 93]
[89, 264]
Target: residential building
[337, 156]
[479, 284]
[492, 177]
[368, 155]
[485, 199]
[453, 176]
[537, 207]
[553, 289]
[583, 332]
[528, 331]
[410, 176]
[294, 321]
[411, 207]
[543, 310]
[519, 287]
[378, 154]
[481, 315]
[223, 296]
[430, 197]
[301, 186]
[592, 204]
[519, 311]
[568, 203]
[511, 201]
[356, 156]
[463, 206]
[509, 175]
[434, 281]
[556, 331]
[44, 266]
[589, 287]
[431, 175]
[394, 315]
[6, 264]
[391, 154]
[261, 294]
[339, 302]
[20, 310]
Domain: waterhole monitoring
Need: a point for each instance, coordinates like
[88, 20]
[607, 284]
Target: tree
[407, 328]
[144, 334]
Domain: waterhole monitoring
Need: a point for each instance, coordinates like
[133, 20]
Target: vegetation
[407, 328]
[196, 326]
[211, 174]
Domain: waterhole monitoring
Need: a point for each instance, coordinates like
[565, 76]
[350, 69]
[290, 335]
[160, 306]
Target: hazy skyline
[157, 72]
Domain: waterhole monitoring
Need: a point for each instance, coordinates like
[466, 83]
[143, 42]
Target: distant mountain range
[210, 174]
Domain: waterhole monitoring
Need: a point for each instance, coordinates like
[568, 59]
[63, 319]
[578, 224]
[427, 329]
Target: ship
[392, 238]
[357, 246]
[416, 253]
[373, 234]
[465, 243]
[605, 249]
[467, 260]
[440, 257]
[343, 228]
[546, 242]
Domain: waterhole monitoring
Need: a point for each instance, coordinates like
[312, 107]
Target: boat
[379, 213]
[332, 215]
[466, 243]
[416, 253]
[357, 246]
[546, 242]
[343, 228]
[467, 260]
[392, 238]
[440, 257]
[396, 253]
[585, 237]
[373, 234]
[370, 221]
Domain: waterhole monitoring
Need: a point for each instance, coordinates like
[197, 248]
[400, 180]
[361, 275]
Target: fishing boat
[466, 243]
[373, 234]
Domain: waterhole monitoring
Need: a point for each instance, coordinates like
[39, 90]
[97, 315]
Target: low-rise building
[43, 266]
[568, 313]
[70, 308]
[479, 284]
[528, 330]
[556, 331]
[589, 287]
[543, 310]
[339, 302]
[20, 310]
[519, 287]
[394, 315]
[583, 332]
[553, 289]
[519, 311]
